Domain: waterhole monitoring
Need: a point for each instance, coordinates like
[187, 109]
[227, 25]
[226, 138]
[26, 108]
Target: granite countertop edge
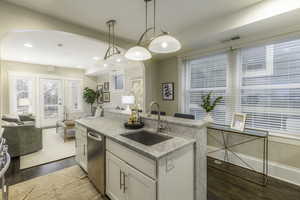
[125, 142]
[169, 119]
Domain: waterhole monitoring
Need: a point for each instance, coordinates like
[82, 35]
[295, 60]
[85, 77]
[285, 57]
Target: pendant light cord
[154, 18]
[146, 15]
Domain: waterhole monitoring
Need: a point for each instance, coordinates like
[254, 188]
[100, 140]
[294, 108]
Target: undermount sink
[146, 137]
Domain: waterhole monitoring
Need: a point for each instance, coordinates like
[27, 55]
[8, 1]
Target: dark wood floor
[221, 186]
[14, 175]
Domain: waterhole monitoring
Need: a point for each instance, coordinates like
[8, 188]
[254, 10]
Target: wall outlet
[169, 164]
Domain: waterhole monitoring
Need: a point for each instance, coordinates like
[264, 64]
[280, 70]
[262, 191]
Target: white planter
[208, 118]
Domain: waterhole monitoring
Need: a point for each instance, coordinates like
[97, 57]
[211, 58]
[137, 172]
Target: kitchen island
[188, 138]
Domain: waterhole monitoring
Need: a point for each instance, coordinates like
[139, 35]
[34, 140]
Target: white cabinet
[114, 177]
[138, 186]
[133, 176]
[81, 146]
[126, 183]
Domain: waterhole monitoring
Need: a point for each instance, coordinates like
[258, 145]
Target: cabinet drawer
[138, 161]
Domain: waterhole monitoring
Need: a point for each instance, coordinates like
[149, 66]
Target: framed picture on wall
[168, 91]
[238, 121]
[106, 87]
[106, 97]
[100, 87]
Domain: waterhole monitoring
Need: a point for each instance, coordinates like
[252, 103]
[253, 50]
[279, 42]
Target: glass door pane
[51, 101]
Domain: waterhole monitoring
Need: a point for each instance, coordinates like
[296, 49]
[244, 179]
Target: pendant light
[113, 55]
[163, 43]
[138, 52]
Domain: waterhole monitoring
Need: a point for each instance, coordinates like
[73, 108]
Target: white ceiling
[173, 15]
[76, 51]
[198, 24]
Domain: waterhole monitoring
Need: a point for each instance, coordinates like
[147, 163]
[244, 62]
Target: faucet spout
[158, 114]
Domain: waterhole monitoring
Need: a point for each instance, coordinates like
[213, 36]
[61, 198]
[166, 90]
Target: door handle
[94, 137]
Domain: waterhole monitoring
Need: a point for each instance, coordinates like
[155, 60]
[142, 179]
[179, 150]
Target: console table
[254, 134]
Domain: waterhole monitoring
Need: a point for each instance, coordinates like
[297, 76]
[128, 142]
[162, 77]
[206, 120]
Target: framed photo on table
[168, 91]
[238, 121]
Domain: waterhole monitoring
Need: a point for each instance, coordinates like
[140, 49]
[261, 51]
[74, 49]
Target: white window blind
[270, 87]
[204, 75]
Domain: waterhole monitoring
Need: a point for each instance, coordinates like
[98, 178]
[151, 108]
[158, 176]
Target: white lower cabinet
[138, 186]
[133, 176]
[81, 146]
[126, 183]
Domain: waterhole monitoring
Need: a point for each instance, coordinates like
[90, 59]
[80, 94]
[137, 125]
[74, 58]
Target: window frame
[268, 110]
[13, 93]
[113, 83]
[79, 98]
[187, 89]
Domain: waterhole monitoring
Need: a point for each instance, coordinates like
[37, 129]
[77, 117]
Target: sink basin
[146, 137]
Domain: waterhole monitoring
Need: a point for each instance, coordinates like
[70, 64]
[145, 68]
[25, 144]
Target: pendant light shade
[117, 60]
[164, 44]
[138, 53]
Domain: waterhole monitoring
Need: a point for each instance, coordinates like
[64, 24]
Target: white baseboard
[276, 170]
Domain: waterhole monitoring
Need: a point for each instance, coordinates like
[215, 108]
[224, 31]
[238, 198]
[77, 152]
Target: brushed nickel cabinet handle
[124, 184]
[120, 180]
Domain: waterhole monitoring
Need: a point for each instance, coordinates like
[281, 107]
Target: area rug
[54, 148]
[67, 184]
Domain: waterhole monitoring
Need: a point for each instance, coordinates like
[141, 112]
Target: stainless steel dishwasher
[96, 160]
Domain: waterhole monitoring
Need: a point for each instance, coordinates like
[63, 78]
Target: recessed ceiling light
[96, 58]
[105, 64]
[28, 45]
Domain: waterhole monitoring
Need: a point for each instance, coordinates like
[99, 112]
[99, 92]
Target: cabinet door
[78, 148]
[114, 177]
[139, 186]
[84, 150]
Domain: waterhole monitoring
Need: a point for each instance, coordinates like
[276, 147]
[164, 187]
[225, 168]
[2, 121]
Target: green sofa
[22, 137]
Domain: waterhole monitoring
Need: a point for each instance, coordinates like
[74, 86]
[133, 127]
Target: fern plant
[208, 104]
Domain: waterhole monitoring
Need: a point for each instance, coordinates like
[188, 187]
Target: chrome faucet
[158, 114]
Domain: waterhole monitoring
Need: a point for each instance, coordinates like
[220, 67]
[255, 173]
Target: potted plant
[208, 104]
[89, 96]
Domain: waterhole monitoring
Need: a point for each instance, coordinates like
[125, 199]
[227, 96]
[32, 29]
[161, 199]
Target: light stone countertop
[169, 119]
[113, 128]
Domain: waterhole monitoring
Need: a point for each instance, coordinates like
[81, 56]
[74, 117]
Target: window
[21, 95]
[118, 81]
[271, 100]
[75, 96]
[204, 75]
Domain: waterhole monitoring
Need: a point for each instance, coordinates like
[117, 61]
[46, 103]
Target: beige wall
[280, 152]
[156, 73]
[151, 80]
[168, 72]
[8, 66]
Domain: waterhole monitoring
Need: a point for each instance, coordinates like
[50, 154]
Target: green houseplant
[209, 104]
[89, 96]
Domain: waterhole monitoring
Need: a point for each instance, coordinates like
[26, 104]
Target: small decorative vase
[208, 118]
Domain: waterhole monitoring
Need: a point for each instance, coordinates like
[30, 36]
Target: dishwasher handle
[94, 136]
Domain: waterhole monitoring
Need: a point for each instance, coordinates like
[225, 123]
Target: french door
[51, 101]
